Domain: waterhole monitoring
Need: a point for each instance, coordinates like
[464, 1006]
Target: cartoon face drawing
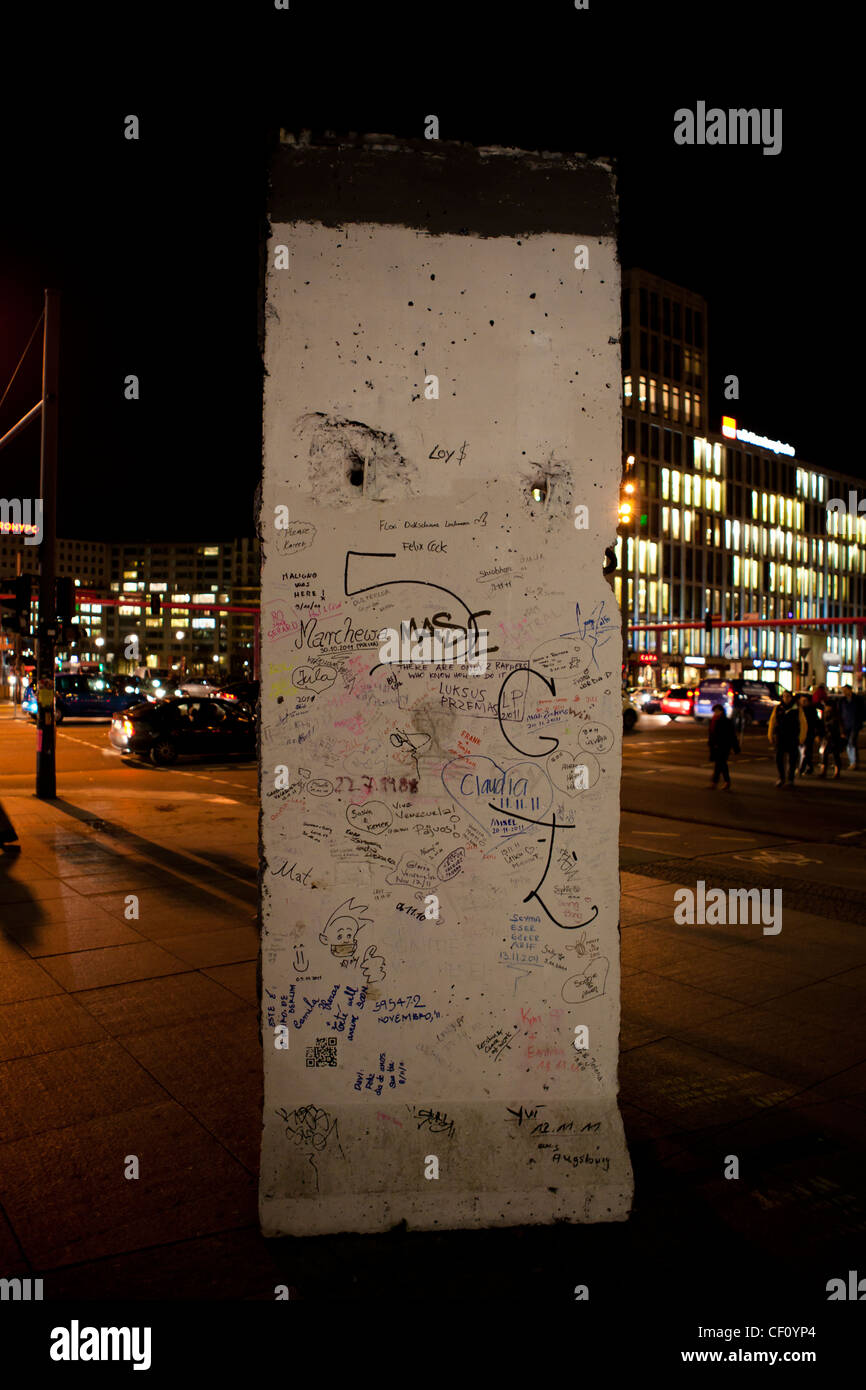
[341, 929]
[340, 933]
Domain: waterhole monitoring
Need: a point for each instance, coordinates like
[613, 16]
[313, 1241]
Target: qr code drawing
[323, 1053]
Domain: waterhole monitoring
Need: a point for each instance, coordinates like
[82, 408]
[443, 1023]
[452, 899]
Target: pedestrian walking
[723, 741]
[787, 730]
[851, 715]
[8, 833]
[834, 738]
[807, 748]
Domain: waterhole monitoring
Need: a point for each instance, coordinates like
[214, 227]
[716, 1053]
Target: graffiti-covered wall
[441, 707]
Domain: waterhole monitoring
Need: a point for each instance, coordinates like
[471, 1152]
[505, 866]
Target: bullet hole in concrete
[432, 277]
[356, 471]
[532, 296]
[491, 323]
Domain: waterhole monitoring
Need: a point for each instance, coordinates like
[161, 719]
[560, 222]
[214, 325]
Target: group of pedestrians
[798, 726]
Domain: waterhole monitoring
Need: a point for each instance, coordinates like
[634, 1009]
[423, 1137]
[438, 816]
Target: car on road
[745, 701]
[163, 730]
[677, 701]
[195, 686]
[248, 691]
[148, 687]
[648, 701]
[84, 697]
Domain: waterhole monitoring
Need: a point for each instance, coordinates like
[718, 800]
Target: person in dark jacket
[786, 732]
[807, 749]
[833, 738]
[723, 741]
[851, 715]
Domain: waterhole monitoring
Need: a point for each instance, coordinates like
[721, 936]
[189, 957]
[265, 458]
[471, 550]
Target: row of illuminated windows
[691, 489]
[810, 484]
[846, 524]
[661, 398]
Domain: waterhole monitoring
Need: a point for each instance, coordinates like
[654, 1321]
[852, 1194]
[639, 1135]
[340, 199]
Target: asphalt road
[666, 773]
[86, 761]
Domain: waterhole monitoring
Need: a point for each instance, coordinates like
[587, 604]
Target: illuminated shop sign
[730, 431]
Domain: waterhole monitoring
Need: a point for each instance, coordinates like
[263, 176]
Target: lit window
[675, 486]
[675, 519]
[666, 519]
[626, 387]
[642, 391]
[652, 394]
[666, 483]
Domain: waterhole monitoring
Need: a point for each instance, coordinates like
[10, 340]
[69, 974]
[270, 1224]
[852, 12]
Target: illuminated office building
[186, 572]
[732, 524]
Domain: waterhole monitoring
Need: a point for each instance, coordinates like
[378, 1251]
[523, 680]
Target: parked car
[678, 700]
[745, 701]
[84, 697]
[162, 730]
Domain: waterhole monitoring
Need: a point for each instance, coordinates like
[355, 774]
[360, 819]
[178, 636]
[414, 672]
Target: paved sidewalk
[123, 1036]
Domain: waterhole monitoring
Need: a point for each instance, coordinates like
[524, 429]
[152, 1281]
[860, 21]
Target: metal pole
[46, 778]
[22, 423]
[17, 693]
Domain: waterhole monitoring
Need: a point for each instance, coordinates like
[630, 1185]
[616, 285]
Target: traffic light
[24, 586]
[155, 606]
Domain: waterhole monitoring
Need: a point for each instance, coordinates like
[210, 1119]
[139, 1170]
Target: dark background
[155, 244]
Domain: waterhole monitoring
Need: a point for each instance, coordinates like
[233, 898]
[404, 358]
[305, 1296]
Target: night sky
[155, 244]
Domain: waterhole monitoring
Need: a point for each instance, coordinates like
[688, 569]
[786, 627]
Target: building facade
[128, 637]
[729, 524]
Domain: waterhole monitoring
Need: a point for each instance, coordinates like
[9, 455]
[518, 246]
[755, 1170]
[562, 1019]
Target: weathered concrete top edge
[441, 187]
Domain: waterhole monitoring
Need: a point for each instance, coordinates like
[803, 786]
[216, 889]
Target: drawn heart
[476, 784]
[589, 984]
[561, 767]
